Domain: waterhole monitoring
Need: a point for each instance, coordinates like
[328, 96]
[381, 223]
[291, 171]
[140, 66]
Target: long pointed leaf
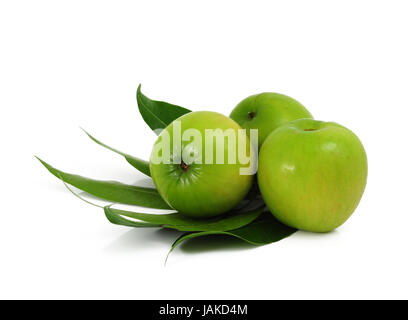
[115, 218]
[266, 229]
[230, 221]
[139, 164]
[112, 190]
[158, 114]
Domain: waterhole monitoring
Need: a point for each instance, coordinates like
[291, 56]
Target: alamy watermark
[216, 147]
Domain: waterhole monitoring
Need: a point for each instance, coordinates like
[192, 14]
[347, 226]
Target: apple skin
[267, 111]
[312, 174]
[204, 190]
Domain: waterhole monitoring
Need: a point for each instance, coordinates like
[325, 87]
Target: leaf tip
[167, 256]
[42, 161]
[106, 210]
[138, 91]
[87, 133]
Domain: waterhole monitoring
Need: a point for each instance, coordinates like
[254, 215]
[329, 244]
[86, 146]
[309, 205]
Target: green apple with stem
[202, 164]
[312, 174]
[267, 111]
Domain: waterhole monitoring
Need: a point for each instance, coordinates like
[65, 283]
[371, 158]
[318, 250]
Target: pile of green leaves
[250, 221]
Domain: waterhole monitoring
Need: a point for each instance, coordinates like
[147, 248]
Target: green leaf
[264, 230]
[115, 218]
[232, 220]
[139, 164]
[112, 190]
[158, 114]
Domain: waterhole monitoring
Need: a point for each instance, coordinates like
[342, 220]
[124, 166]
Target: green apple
[267, 111]
[312, 174]
[205, 174]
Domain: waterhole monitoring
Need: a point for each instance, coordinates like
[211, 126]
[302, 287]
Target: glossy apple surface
[312, 174]
[267, 111]
[201, 189]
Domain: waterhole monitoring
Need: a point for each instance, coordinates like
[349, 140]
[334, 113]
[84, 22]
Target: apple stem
[184, 166]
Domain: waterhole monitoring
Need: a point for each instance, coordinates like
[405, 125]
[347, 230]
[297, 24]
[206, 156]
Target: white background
[65, 64]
